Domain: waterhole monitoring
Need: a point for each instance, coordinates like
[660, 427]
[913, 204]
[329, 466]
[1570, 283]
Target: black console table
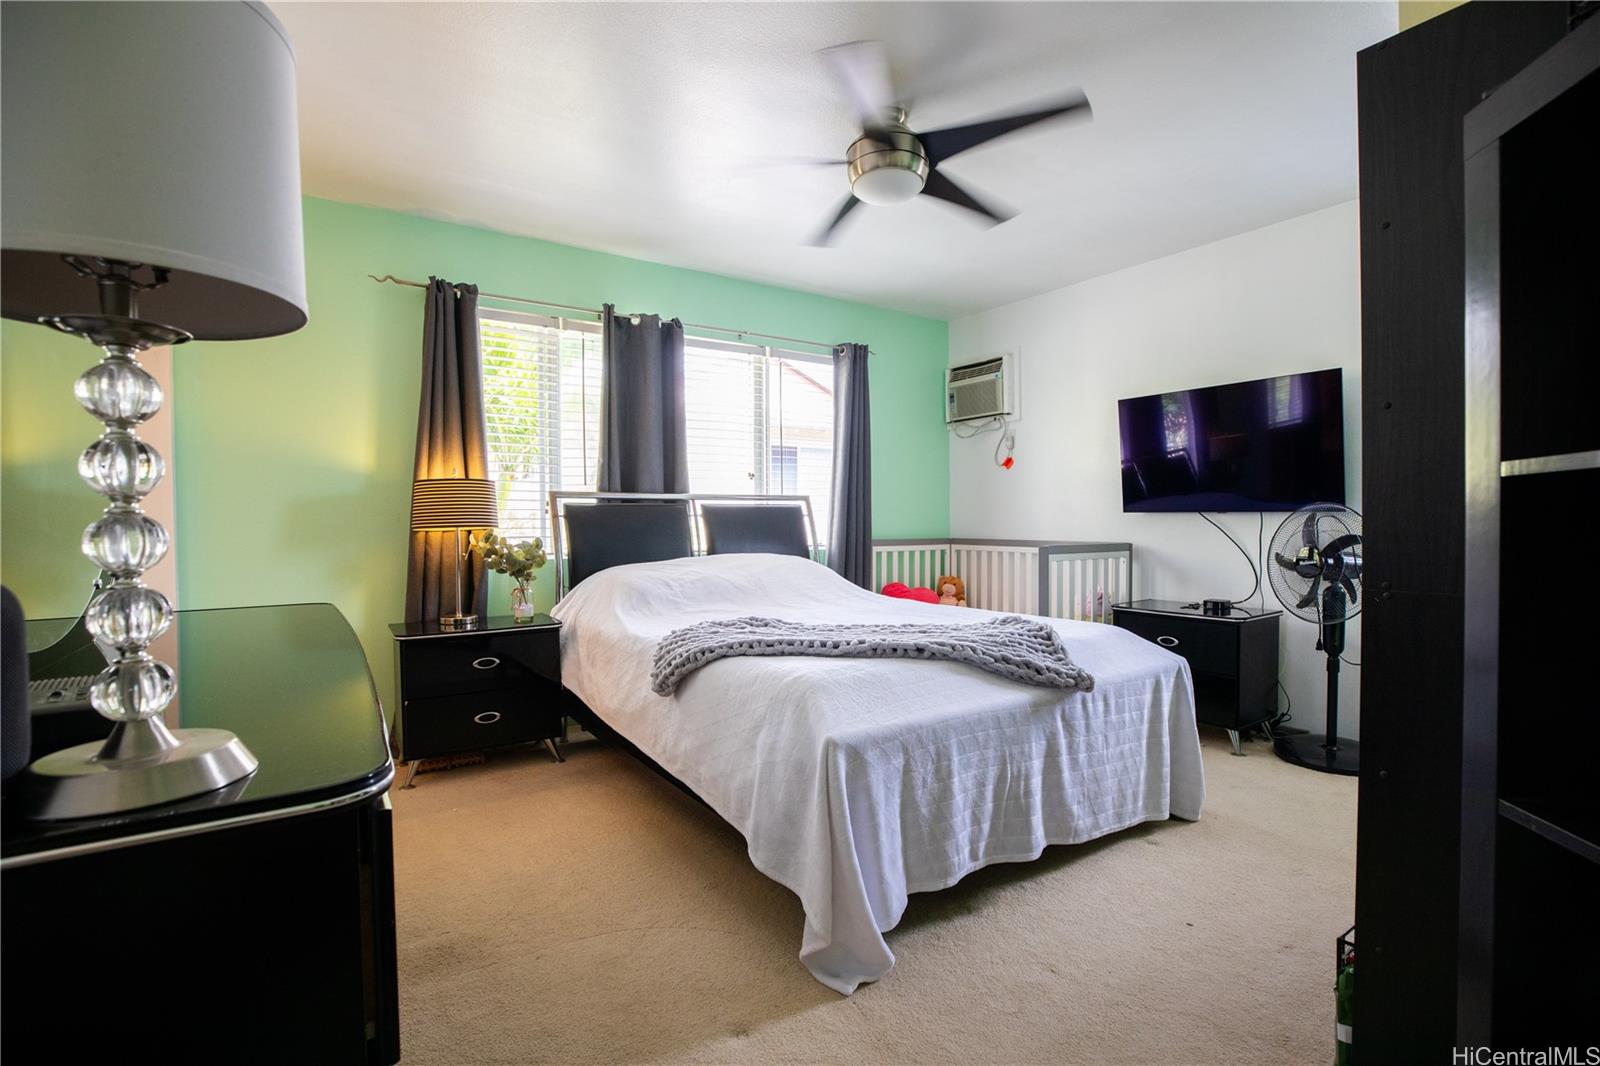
[252, 924]
[1233, 658]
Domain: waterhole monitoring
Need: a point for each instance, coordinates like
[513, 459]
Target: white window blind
[760, 421]
[541, 406]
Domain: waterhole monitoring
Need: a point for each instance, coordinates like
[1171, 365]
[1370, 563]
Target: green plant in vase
[518, 561]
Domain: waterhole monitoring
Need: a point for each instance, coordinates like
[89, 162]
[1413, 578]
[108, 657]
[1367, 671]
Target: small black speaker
[1217, 606]
[15, 738]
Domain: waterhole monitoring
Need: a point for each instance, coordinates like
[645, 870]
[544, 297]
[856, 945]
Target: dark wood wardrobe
[1424, 759]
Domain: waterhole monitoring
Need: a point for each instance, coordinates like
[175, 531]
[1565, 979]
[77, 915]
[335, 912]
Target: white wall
[1276, 300]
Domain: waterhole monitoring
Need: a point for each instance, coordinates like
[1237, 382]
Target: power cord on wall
[1255, 572]
[1007, 441]
[968, 430]
[1261, 525]
[1283, 717]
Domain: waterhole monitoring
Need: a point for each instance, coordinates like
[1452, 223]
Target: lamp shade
[453, 503]
[155, 133]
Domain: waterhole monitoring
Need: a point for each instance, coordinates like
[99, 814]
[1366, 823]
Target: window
[760, 422]
[541, 408]
[784, 468]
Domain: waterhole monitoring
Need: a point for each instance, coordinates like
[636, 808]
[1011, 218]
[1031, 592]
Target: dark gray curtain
[450, 443]
[850, 540]
[642, 431]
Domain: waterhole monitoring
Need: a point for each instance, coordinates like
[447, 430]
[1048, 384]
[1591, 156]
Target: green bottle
[1344, 1011]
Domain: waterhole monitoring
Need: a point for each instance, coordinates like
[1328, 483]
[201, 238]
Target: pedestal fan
[1317, 578]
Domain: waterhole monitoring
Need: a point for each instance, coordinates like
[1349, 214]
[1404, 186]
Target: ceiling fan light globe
[887, 186]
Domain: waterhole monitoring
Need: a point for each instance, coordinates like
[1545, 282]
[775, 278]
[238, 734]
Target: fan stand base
[1311, 751]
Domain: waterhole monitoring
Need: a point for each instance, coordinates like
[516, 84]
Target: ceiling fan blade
[1337, 545]
[1310, 597]
[827, 233]
[952, 140]
[764, 162]
[1284, 561]
[1308, 531]
[1349, 588]
[862, 67]
[942, 188]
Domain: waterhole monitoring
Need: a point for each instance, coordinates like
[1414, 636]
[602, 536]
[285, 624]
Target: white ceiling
[640, 129]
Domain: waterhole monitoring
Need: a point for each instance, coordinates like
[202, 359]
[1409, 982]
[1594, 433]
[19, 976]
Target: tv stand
[1233, 658]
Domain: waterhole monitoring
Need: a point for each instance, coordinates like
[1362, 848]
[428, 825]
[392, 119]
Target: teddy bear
[952, 591]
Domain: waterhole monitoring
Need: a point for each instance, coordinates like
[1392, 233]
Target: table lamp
[454, 503]
[151, 196]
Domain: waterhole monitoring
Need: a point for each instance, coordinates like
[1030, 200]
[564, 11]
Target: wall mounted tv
[1269, 445]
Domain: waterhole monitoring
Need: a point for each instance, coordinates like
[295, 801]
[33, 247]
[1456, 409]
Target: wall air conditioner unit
[976, 391]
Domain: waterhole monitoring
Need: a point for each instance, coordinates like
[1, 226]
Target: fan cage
[1327, 521]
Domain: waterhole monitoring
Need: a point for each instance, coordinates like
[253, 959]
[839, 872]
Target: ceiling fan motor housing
[889, 168]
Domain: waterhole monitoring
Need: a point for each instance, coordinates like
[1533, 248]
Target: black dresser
[253, 924]
[1233, 658]
[468, 690]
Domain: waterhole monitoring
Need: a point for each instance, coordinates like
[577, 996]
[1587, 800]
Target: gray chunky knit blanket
[1016, 648]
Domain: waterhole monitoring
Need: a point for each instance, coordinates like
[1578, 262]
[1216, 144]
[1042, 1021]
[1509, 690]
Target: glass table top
[494, 623]
[293, 683]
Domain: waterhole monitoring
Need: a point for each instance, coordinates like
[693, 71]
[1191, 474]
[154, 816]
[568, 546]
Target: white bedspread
[858, 781]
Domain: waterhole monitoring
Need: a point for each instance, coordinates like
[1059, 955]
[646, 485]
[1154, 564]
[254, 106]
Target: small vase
[522, 601]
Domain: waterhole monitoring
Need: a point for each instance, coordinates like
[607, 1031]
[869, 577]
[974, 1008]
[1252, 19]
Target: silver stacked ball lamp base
[89, 780]
[143, 762]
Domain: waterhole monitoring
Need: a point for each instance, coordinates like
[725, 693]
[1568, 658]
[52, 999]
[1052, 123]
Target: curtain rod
[597, 313]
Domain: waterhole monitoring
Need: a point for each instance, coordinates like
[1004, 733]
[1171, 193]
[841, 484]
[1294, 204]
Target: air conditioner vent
[975, 390]
[976, 370]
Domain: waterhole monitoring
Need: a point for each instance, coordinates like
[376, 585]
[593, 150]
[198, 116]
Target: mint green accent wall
[43, 505]
[293, 455]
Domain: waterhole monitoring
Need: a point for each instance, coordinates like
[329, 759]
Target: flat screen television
[1274, 444]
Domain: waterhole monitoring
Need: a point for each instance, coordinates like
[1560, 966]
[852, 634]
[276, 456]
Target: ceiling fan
[889, 163]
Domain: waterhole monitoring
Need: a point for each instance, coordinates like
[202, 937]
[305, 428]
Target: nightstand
[1233, 658]
[472, 689]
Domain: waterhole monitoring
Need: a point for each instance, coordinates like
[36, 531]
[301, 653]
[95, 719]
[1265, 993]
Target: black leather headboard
[732, 528]
[602, 535]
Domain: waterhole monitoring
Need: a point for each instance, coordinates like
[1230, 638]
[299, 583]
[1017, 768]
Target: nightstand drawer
[472, 662]
[1211, 646]
[447, 724]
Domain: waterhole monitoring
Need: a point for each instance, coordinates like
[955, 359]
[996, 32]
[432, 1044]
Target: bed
[856, 782]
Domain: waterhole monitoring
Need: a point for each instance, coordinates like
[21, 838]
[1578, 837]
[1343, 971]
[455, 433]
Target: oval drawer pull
[487, 717]
[1167, 642]
[488, 662]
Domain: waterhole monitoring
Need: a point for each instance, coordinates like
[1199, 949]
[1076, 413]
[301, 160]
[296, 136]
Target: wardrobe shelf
[1573, 830]
[1550, 464]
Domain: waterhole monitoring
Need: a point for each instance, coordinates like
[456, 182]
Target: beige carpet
[590, 912]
